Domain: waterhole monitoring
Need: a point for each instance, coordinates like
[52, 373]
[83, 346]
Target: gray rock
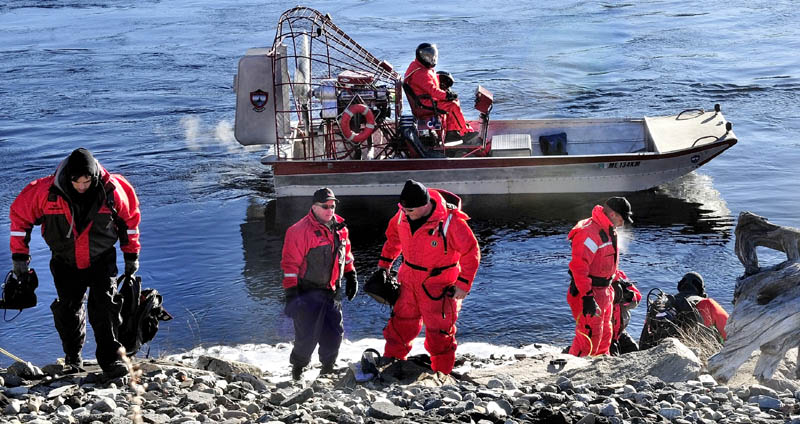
[766, 402]
[256, 383]
[14, 407]
[609, 410]
[16, 392]
[756, 390]
[499, 408]
[707, 380]
[197, 397]
[155, 418]
[298, 397]
[385, 411]
[225, 368]
[104, 404]
[495, 383]
[26, 370]
[670, 412]
[12, 380]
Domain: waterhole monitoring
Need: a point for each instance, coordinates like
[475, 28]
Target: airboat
[332, 115]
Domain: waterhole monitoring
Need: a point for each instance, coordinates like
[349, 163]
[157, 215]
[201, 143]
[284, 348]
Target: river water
[147, 87]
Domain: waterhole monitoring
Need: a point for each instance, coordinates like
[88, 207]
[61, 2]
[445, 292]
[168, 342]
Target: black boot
[297, 372]
[327, 369]
[117, 369]
[73, 364]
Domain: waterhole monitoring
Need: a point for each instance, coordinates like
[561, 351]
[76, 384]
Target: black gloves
[131, 266]
[590, 307]
[291, 293]
[378, 278]
[20, 269]
[451, 95]
[351, 287]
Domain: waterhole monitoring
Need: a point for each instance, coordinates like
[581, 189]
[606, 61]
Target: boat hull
[617, 173]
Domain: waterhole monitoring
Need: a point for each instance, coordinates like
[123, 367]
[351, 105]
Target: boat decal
[258, 99]
[695, 158]
[630, 164]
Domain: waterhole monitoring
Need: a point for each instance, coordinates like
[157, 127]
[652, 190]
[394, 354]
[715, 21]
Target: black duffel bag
[383, 287]
[19, 293]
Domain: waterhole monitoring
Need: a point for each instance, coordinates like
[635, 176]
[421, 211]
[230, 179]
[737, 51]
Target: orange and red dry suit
[594, 263]
[443, 252]
[713, 315]
[423, 80]
[45, 202]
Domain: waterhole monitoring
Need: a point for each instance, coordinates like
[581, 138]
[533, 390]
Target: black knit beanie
[414, 195]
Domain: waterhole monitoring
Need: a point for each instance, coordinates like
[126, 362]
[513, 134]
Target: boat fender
[344, 123]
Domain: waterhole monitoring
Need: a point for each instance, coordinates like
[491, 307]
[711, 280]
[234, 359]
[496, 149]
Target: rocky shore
[664, 384]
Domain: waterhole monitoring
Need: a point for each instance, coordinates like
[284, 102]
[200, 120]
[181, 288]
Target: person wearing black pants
[83, 210]
[316, 258]
[104, 307]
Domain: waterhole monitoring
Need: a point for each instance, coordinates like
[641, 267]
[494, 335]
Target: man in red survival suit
[83, 211]
[316, 256]
[423, 80]
[440, 259]
[595, 256]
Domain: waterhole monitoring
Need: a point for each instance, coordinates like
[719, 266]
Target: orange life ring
[344, 123]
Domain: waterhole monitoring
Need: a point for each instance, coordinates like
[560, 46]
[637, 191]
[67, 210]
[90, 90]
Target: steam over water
[147, 87]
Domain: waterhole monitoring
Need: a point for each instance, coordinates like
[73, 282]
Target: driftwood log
[766, 311]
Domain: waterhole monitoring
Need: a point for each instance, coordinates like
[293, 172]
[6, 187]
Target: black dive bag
[383, 287]
[141, 312]
[19, 293]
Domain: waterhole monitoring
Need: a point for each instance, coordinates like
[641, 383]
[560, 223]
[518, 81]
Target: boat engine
[349, 88]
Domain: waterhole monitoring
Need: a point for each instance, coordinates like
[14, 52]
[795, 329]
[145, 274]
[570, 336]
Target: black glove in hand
[131, 266]
[451, 95]
[290, 293]
[351, 287]
[590, 307]
[20, 269]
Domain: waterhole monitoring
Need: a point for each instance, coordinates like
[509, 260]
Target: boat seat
[505, 145]
[428, 118]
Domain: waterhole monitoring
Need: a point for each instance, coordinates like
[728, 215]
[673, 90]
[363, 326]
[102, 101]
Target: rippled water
[147, 86]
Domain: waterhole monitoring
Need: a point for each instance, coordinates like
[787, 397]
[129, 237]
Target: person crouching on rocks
[626, 297]
[693, 289]
[595, 258]
[440, 260]
[316, 256]
[83, 210]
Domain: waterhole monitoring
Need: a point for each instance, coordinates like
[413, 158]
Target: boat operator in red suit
[440, 260]
[83, 210]
[595, 258]
[422, 79]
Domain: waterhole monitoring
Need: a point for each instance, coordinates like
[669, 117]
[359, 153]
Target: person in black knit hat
[83, 210]
[440, 260]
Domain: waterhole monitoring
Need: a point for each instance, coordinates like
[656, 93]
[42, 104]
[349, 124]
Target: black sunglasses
[324, 206]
